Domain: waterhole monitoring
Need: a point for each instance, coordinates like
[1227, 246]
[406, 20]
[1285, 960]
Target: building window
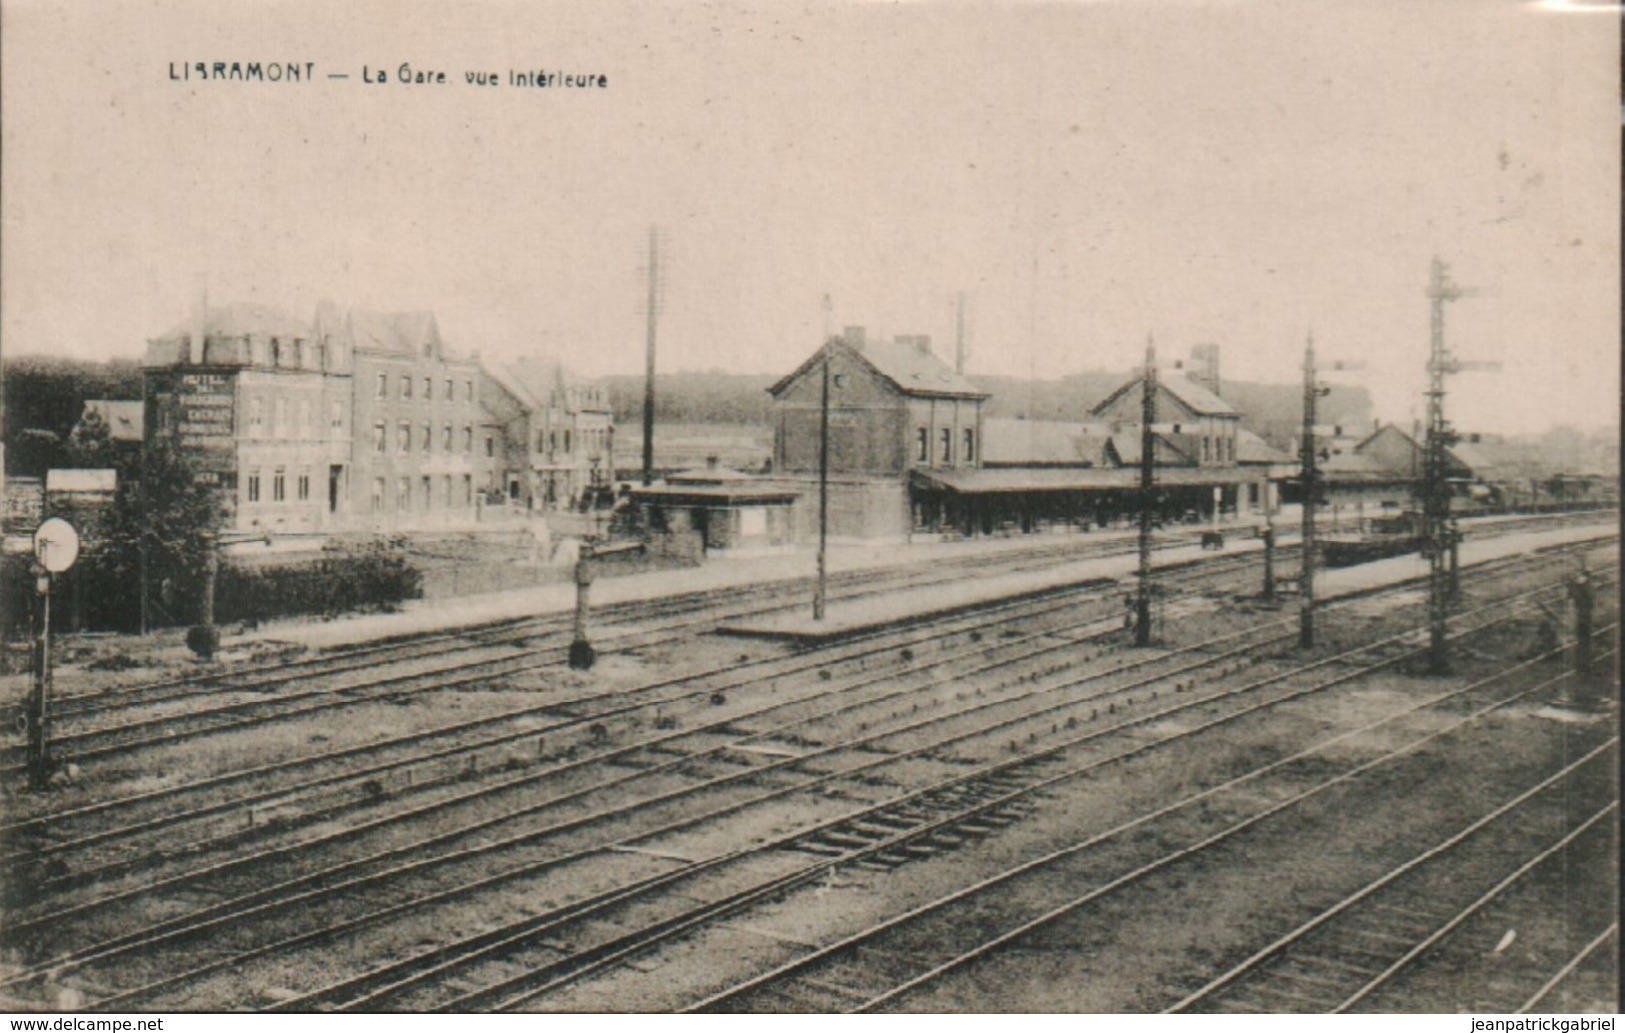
[428, 438]
[377, 494]
[378, 436]
[468, 391]
[428, 486]
[451, 396]
[553, 441]
[403, 494]
[428, 389]
[490, 446]
[922, 445]
[406, 386]
[970, 446]
[468, 489]
[403, 437]
[445, 496]
[947, 444]
[304, 486]
[541, 441]
[279, 486]
[468, 440]
[335, 416]
[256, 414]
[567, 441]
[254, 486]
[279, 424]
[383, 386]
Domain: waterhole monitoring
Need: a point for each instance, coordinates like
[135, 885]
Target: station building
[895, 409]
[912, 452]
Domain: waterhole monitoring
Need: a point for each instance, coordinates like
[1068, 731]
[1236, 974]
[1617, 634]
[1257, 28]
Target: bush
[204, 640]
[375, 576]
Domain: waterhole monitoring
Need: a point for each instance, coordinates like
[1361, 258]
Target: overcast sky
[1087, 173]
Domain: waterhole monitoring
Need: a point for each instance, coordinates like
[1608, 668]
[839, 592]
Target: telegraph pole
[1148, 443]
[1310, 477]
[819, 593]
[959, 336]
[1435, 485]
[1442, 538]
[649, 360]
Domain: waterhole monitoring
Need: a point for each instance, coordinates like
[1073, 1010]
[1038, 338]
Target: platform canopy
[992, 482]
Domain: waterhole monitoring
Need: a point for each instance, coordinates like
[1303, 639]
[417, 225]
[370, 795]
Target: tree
[90, 445]
[164, 517]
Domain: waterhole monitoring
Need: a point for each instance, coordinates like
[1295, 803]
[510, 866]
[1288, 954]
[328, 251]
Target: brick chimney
[921, 342]
[1204, 367]
[200, 324]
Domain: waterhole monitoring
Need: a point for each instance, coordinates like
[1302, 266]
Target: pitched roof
[1126, 443]
[1250, 448]
[242, 319]
[505, 378]
[1045, 443]
[124, 419]
[1192, 395]
[910, 369]
[401, 333]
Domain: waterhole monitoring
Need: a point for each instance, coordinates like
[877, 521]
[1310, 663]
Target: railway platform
[844, 619]
[850, 617]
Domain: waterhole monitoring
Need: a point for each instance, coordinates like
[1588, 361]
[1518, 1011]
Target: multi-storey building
[354, 421]
[560, 433]
[895, 411]
[263, 407]
[426, 451]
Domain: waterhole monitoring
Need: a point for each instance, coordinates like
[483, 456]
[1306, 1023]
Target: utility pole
[959, 337]
[649, 360]
[1148, 444]
[820, 591]
[1441, 536]
[1310, 477]
[39, 731]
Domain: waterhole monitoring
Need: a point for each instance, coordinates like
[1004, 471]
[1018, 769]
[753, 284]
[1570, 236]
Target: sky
[1089, 174]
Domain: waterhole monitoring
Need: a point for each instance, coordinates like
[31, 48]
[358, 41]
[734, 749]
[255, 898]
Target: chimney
[921, 342]
[854, 335]
[1205, 366]
[200, 323]
[711, 462]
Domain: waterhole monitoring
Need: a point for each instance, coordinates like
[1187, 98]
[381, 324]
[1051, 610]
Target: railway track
[879, 966]
[1023, 648]
[892, 674]
[893, 815]
[1349, 952]
[579, 714]
[521, 630]
[516, 643]
[522, 633]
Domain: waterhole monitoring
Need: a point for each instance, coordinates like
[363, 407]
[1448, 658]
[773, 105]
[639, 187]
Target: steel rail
[1568, 968]
[1478, 904]
[706, 913]
[1287, 940]
[934, 906]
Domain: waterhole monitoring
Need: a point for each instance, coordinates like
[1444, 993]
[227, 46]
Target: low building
[714, 509]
